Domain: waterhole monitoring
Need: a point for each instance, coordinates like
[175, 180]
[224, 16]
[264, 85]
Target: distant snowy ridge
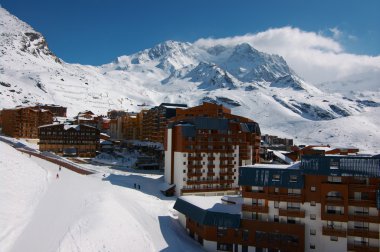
[259, 85]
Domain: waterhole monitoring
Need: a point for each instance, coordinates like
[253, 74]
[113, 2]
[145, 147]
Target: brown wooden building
[57, 110]
[133, 125]
[24, 122]
[155, 121]
[72, 140]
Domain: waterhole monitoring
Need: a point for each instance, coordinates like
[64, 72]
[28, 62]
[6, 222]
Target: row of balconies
[362, 246]
[343, 232]
[208, 189]
[200, 182]
[273, 196]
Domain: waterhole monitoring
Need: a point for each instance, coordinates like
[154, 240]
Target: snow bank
[22, 184]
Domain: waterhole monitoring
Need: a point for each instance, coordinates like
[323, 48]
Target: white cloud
[315, 57]
[336, 33]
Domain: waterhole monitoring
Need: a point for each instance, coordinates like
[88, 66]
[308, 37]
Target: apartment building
[133, 125]
[204, 148]
[57, 110]
[323, 203]
[156, 119]
[24, 121]
[73, 140]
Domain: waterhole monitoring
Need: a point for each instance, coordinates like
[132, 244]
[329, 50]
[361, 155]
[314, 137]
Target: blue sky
[96, 32]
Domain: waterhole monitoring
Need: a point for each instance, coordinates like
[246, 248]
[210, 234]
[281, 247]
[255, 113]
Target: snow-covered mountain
[255, 84]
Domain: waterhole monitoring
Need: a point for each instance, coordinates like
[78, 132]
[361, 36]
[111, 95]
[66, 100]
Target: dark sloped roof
[207, 217]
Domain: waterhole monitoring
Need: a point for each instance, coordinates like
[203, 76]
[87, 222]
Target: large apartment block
[57, 110]
[329, 203]
[156, 119]
[203, 150]
[133, 125]
[24, 122]
[74, 140]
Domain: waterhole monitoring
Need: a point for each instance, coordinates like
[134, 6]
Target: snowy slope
[83, 213]
[255, 84]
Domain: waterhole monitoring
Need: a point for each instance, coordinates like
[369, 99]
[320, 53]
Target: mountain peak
[168, 47]
[19, 36]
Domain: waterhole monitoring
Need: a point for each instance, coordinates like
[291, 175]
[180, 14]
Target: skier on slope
[57, 176]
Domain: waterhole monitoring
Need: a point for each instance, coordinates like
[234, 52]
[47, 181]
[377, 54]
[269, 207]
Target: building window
[293, 178]
[276, 218]
[184, 155]
[334, 179]
[313, 232]
[312, 246]
[221, 231]
[184, 163]
[224, 247]
[184, 179]
[333, 238]
[313, 216]
[313, 189]
[276, 177]
[276, 189]
[276, 204]
[245, 235]
[312, 203]
[184, 171]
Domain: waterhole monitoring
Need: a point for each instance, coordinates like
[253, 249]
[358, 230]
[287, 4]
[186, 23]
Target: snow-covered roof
[68, 126]
[165, 186]
[280, 155]
[212, 203]
[295, 165]
[322, 148]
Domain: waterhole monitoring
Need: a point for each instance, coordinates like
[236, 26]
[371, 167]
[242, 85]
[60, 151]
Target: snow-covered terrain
[258, 85]
[83, 213]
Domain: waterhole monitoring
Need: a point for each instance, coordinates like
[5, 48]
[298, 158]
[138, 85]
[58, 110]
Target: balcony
[362, 202]
[254, 194]
[362, 188]
[194, 158]
[194, 174]
[334, 200]
[363, 232]
[292, 212]
[226, 166]
[200, 182]
[191, 166]
[255, 208]
[359, 246]
[333, 215]
[285, 197]
[331, 231]
[364, 218]
[199, 190]
[229, 173]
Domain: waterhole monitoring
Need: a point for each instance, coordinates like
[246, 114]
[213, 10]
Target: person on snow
[57, 176]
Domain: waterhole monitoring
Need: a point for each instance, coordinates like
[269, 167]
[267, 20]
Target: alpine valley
[254, 84]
